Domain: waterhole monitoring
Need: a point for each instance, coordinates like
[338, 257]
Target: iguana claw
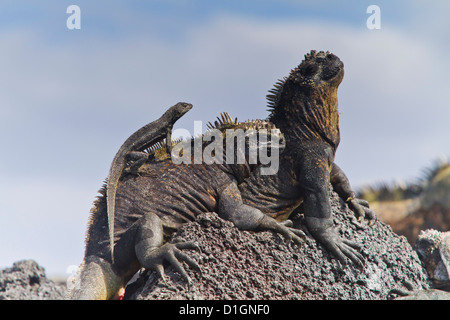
[362, 211]
[324, 232]
[284, 228]
[171, 252]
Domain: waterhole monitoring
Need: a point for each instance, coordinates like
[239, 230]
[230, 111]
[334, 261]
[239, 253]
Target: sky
[70, 98]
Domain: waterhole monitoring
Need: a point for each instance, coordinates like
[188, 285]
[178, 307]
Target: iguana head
[178, 110]
[304, 104]
[319, 69]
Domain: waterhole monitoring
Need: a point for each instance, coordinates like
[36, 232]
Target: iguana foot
[362, 211]
[323, 231]
[171, 253]
[283, 228]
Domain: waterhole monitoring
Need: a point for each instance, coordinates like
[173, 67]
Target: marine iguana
[156, 200]
[304, 107]
[132, 149]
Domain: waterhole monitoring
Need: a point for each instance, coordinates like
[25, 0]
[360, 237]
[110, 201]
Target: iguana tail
[94, 280]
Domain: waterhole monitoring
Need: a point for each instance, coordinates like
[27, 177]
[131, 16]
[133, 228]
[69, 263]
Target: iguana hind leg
[152, 252]
[245, 217]
[318, 214]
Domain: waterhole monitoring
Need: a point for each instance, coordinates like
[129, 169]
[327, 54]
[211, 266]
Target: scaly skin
[154, 202]
[163, 195]
[305, 108]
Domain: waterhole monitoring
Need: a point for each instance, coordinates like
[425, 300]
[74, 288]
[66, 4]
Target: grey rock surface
[431, 294]
[260, 265]
[26, 280]
[433, 248]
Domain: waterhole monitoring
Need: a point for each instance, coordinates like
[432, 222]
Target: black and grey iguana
[304, 107]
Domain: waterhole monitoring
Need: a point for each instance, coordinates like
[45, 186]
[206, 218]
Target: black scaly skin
[155, 201]
[304, 107]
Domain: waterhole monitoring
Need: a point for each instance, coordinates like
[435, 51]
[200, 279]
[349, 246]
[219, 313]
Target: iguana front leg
[341, 185]
[318, 214]
[138, 158]
[245, 217]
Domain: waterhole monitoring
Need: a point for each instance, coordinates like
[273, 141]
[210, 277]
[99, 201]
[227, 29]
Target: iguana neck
[307, 115]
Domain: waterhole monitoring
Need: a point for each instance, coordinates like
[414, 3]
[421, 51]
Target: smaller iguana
[133, 149]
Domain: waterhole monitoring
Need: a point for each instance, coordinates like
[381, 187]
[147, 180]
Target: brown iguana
[156, 201]
[132, 149]
[164, 195]
[304, 107]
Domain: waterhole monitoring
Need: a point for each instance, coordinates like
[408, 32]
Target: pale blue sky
[68, 99]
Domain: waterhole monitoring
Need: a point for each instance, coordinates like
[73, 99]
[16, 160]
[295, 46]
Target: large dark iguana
[156, 200]
[304, 107]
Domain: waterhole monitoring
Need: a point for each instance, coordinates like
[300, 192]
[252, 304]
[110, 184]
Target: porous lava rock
[26, 280]
[261, 265]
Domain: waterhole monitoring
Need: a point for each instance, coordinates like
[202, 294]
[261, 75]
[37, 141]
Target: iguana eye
[309, 69]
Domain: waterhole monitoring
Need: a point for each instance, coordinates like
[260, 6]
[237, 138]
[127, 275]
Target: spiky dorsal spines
[97, 212]
[313, 55]
[159, 149]
[222, 122]
[275, 93]
[225, 121]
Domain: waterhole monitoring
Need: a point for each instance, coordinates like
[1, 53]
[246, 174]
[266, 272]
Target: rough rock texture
[26, 280]
[433, 248]
[259, 265]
